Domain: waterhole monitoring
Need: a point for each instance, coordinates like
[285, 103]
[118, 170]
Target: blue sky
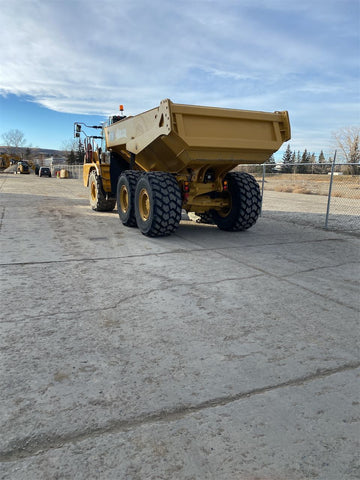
[77, 60]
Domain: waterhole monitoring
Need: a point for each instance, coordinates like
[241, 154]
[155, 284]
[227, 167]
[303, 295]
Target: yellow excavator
[7, 159]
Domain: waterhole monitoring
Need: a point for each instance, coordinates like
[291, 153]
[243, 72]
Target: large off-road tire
[157, 204]
[97, 196]
[125, 197]
[245, 203]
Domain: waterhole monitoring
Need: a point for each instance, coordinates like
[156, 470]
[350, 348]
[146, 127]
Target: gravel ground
[302, 209]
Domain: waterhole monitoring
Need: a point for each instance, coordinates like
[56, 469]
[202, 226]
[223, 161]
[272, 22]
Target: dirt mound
[10, 169]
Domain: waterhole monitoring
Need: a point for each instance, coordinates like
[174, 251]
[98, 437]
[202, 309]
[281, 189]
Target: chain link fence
[321, 194]
[70, 171]
[325, 194]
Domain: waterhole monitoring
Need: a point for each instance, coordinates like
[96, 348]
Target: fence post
[262, 188]
[330, 188]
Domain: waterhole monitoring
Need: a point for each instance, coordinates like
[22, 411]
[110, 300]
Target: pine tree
[305, 157]
[322, 161]
[287, 159]
[79, 156]
[27, 153]
[321, 157]
[287, 155]
[71, 159]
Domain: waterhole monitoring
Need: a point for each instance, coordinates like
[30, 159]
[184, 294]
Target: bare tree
[68, 145]
[14, 141]
[72, 149]
[347, 140]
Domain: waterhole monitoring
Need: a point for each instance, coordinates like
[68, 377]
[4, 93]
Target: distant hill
[47, 152]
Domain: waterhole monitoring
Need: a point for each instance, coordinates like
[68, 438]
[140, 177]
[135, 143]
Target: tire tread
[167, 204]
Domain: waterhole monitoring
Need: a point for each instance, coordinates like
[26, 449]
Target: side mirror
[77, 130]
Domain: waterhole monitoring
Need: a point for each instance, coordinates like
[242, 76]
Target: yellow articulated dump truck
[175, 157]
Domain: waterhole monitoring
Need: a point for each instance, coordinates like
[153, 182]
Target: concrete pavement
[202, 355]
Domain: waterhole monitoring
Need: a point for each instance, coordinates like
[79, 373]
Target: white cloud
[87, 56]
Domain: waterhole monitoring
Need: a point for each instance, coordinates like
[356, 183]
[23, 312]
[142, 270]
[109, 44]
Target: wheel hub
[93, 191]
[124, 199]
[224, 212]
[144, 204]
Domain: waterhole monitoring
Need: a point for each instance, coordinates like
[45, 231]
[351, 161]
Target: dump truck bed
[175, 137]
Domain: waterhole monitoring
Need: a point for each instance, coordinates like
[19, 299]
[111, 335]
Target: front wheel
[244, 203]
[157, 204]
[97, 197]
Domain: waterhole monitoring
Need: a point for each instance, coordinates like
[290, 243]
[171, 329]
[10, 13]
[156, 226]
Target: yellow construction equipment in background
[7, 159]
[23, 167]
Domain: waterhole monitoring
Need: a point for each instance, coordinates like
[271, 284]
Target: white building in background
[50, 161]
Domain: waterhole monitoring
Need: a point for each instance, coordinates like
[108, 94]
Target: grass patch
[293, 189]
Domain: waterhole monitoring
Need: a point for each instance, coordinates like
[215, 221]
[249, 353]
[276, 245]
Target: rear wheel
[244, 203]
[125, 197]
[98, 200]
[157, 204]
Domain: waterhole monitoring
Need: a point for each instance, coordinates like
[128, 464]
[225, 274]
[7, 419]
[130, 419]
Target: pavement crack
[315, 269]
[37, 445]
[131, 297]
[182, 251]
[2, 214]
[287, 278]
[326, 297]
